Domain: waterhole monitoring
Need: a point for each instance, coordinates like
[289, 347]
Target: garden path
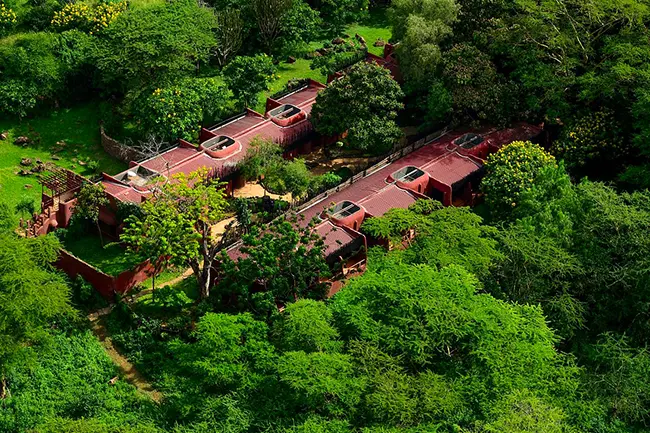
[128, 370]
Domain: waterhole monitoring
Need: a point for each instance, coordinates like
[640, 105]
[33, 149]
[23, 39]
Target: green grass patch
[373, 28]
[163, 278]
[77, 127]
[111, 259]
[287, 72]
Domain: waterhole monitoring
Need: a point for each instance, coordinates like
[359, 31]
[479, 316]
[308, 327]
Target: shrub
[171, 298]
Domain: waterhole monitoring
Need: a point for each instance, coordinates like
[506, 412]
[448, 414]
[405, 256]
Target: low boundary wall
[106, 285]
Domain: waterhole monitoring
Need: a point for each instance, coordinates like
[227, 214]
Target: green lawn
[78, 127]
[111, 259]
[287, 72]
[376, 26]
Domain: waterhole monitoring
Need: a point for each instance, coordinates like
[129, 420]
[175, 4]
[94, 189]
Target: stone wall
[118, 150]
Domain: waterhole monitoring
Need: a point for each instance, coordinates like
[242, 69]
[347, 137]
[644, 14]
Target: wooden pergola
[59, 181]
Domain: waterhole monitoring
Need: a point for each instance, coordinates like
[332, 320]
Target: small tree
[286, 259]
[90, 199]
[248, 76]
[364, 103]
[161, 235]
[177, 225]
[261, 155]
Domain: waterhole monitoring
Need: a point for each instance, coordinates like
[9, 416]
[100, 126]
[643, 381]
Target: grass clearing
[111, 259]
[376, 26]
[78, 127]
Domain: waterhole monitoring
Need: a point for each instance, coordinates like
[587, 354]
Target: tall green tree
[283, 258]
[179, 110]
[177, 226]
[248, 76]
[32, 296]
[154, 45]
[371, 99]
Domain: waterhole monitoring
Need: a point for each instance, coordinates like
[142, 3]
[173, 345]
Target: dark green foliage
[248, 76]
[284, 259]
[67, 380]
[372, 99]
[337, 13]
[154, 44]
[31, 71]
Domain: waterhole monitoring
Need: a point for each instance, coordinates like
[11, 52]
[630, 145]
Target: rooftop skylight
[468, 141]
[343, 209]
[407, 174]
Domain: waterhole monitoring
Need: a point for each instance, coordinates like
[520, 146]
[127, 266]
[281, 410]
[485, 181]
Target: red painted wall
[105, 284]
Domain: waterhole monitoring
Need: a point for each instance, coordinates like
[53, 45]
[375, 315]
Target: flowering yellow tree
[511, 171]
[591, 142]
[7, 18]
[89, 19]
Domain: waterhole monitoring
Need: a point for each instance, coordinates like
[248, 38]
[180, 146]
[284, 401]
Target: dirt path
[128, 370]
[254, 189]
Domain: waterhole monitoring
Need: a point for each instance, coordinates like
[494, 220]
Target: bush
[40, 13]
[342, 56]
[171, 298]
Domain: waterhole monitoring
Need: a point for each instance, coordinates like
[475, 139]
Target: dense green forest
[529, 313]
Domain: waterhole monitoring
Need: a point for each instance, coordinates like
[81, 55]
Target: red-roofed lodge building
[446, 169]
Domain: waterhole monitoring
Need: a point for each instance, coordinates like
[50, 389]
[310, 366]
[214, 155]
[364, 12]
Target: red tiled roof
[237, 126]
[451, 168]
[185, 159]
[169, 158]
[388, 198]
[335, 237]
[123, 192]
